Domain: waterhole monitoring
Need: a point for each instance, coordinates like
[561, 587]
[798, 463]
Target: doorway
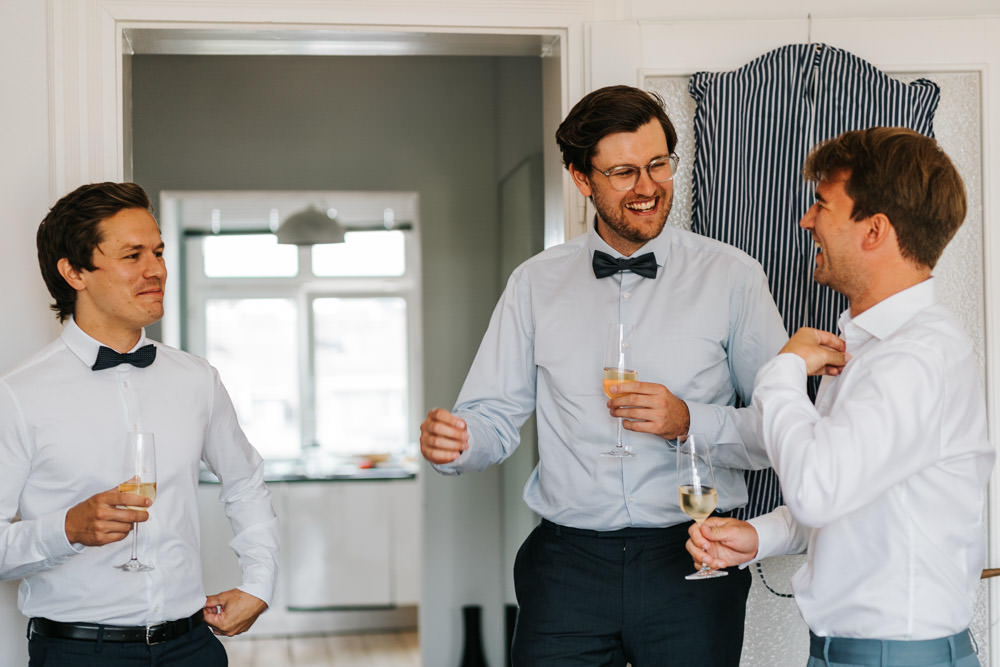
[204, 137]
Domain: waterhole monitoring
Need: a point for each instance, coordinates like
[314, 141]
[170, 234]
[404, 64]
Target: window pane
[246, 256]
[362, 254]
[361, 379]
[252, 343]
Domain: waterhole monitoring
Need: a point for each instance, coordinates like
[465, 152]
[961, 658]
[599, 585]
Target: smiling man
[601, 580]
[64, 416]
[885, 477]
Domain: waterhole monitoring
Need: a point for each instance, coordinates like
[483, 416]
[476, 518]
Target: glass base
[134, 566]
[618, 452]
[706, 574]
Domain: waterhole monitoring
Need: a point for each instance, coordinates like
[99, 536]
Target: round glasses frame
[624, 177]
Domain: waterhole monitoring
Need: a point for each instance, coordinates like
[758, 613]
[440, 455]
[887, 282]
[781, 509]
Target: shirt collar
[657, 246]
[889, 315]
[85, 347]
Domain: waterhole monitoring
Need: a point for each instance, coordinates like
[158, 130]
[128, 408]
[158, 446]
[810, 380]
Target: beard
[615, 216]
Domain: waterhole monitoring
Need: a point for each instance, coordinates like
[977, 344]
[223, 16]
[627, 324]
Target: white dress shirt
[885, 478]
[62, 440]
[702, 327]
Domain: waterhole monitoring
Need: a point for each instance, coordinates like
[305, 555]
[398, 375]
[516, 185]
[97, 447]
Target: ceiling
[360, 42]
[229, 211]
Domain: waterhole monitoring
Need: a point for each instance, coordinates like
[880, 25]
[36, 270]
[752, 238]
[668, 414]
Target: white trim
[87, 46]
[85, 49]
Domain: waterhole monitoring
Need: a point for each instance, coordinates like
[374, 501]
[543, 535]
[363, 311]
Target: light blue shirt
[702, 328]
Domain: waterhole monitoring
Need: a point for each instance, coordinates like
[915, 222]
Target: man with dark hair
[601, 580]
[885, 477]
[64, 417]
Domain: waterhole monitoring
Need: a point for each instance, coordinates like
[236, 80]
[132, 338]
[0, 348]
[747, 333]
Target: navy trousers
[197, 648]
[593, 598]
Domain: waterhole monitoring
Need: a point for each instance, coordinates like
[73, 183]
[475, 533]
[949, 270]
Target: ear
[72, 276]
[581, 181]
[878, 231]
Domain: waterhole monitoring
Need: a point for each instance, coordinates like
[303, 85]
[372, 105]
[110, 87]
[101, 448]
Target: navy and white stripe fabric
[753, 129]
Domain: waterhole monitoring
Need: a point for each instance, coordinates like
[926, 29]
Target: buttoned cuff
[785, 369]
[778, 534]
[52, 531]
[706, 419]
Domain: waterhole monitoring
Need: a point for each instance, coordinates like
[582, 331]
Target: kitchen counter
[302, 470]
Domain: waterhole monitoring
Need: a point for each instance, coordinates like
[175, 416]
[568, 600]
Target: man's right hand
[103, 518]
[443, 436]
[722, 542]
[823, 352]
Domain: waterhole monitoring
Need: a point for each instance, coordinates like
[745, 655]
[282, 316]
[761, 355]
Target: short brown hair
[72, 230]
[902, 174]
[606, 111]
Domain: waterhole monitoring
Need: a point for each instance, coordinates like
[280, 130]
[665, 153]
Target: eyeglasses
[624, 177]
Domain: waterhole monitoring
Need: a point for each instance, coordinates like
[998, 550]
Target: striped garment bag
[753, 128]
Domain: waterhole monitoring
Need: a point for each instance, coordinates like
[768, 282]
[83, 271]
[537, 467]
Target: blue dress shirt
[702, 327]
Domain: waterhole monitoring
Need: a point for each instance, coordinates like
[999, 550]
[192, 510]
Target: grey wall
[446, 127]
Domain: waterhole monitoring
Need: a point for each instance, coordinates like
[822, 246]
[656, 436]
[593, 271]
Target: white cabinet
[350, 554]
[336, 540]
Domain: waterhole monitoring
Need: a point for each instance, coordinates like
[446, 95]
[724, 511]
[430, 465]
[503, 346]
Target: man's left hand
[232, 612]
[648, 407]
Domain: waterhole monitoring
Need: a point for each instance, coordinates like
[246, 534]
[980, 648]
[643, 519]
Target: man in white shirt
[885, 477]
[64, 416]
[600, 581]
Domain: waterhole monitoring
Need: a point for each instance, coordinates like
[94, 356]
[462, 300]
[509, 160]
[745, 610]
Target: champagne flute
[617, 369]
[696, 488]
[140, 467]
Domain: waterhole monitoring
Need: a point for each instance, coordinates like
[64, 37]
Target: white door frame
[88, 62]
[89, 126]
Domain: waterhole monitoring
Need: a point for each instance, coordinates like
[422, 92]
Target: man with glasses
[601, 580]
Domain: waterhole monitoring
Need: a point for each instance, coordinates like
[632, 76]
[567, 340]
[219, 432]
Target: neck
[885, 284]
[624, 246]
[119, 340]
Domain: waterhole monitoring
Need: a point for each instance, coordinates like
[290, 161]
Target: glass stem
[619, 432]
[135, 541]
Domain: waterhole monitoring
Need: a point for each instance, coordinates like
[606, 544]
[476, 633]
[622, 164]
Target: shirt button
[631, 499]
[626, 295]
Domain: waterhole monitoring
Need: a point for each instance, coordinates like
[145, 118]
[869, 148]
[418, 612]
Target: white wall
[24, 197]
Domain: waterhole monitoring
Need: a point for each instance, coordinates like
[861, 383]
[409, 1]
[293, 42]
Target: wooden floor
[385, 649]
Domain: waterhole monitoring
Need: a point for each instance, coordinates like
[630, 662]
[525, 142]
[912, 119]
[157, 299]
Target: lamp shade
[310, 227]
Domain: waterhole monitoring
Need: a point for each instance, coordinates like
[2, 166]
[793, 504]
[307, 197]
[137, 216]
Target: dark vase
[472, 644]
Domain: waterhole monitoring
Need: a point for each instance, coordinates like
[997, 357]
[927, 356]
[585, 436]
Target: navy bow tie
[108, 358]
[606, 265]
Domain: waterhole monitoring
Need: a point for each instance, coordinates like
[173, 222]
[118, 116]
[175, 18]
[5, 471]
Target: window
[317, 345]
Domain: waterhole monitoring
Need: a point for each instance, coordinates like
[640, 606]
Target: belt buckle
[149, 633]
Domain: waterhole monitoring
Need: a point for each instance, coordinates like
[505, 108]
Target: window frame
[184, 323]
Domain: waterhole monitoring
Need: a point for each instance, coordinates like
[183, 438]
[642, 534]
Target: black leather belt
[146, 634]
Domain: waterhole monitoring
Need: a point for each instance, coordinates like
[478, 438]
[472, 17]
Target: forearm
[28, 547]
[734, 432]
[255, 535]
[778, 533]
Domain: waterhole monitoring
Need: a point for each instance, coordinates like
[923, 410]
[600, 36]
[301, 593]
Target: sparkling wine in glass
[140, 470]
[696, 488]
[618, 368]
